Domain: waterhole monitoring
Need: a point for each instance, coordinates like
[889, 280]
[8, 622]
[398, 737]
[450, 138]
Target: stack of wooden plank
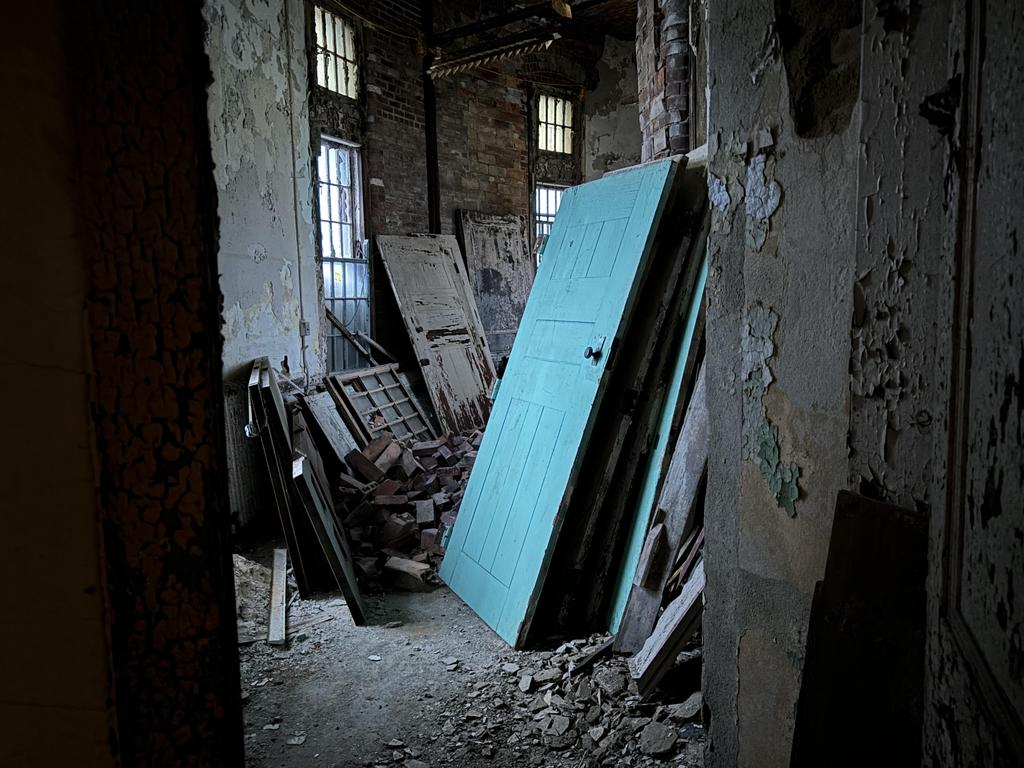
[358, 505]
[574, 464]
[318, 546]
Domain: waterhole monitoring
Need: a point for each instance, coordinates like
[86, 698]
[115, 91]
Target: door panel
[429, 279]
[524, 473]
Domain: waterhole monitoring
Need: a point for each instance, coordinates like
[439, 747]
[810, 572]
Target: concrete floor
[389, 693]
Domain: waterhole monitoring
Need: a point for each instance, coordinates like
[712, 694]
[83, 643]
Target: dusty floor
[428, 684]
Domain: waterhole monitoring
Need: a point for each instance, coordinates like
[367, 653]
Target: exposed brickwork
[482, 145]
[663, 73]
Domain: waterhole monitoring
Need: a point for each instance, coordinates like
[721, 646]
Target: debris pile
[574, 706]
[400, 501]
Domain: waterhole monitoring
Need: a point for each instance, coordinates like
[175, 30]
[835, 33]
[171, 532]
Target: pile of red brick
[401, 502]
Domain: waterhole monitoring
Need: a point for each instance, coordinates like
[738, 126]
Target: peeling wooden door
[501, 267]
[975, 712]
[508, 522]
[428, 277]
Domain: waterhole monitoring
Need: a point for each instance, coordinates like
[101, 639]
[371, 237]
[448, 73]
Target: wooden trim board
[277, 625]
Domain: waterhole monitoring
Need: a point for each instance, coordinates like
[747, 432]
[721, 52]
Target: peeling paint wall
[611, 118]
[259, 130]
[939, 266]
[259, 136]
[779, 293]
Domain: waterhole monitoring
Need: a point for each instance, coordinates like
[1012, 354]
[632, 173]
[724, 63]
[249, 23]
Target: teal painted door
[525, 469]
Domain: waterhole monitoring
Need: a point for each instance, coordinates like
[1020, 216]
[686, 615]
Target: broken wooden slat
[653, 557]
[678, 497]
[349, 336]
[277, 631]
[497, 250]
[677, 624]
[430, 284]
[332, 537]
[329, 429]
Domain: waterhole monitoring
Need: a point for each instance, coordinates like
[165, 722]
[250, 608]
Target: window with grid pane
[547, 198]
[336, 63]
[345, 268]
[554, 124]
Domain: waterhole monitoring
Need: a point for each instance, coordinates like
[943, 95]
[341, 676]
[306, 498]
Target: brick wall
[663, 73]
[482, 144]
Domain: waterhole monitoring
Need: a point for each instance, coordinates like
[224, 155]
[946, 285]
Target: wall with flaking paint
[611, 131]
[259, 133]
[935, 424]
[781, 266]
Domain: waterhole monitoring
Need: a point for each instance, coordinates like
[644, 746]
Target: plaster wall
[611, 118]
[55, 700]
[259, 133]
[779, 304]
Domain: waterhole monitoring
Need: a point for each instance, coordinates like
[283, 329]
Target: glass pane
[350, 42]
[568, 114]
[325, 240]
[339, 36]
[345, 207]
[324, 198]
[327, 284]
[318, 14]
[568, 140]
[321, 163]
[353, 80]
[336, 240]
[343, 166]
[335, 203]
[338, 271]
[346, 240]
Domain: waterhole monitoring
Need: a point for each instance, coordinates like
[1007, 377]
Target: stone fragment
[510, 667]
[547, 676]
[597, 732]
[657, 739]
[688, 710]
[610, 681]
[525, 683]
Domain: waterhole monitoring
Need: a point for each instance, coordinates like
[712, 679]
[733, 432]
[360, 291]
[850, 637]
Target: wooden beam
[277, 631]
[678, 498]
[677, 624]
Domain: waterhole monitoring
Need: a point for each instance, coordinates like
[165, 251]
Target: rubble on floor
[538, 708]
[430, 685]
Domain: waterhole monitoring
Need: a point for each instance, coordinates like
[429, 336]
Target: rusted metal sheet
[429, 279]
[501, 269]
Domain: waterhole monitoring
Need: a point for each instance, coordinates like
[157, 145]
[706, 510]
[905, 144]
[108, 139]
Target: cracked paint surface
[760, 436]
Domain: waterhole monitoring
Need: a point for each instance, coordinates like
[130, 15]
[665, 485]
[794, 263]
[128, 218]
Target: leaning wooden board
[498, 255]
[429, 279]
[675, 626]
[678, 496]
[509, 520]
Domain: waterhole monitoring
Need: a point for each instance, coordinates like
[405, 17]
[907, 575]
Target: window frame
[559, 128]
[544, 219]
[355, 203]
[327, 56]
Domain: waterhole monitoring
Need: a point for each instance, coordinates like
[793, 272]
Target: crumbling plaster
[611, 132]
[259, 130]
[779, 293]
[928, 226]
